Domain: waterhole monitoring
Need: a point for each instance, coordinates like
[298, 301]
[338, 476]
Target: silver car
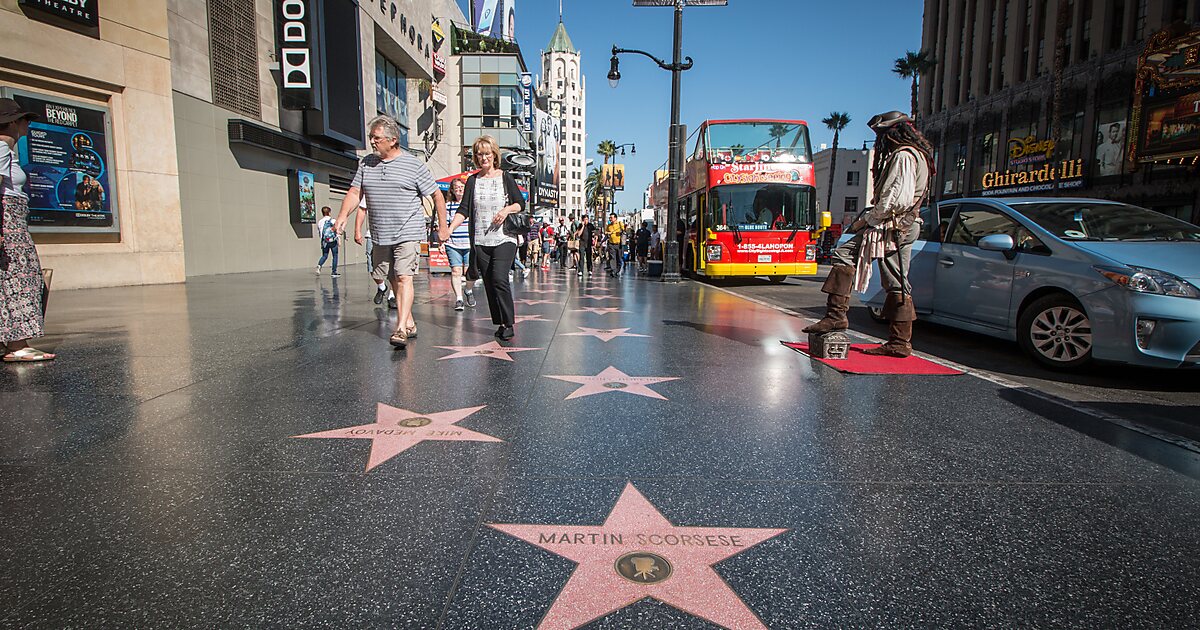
[1070, 280]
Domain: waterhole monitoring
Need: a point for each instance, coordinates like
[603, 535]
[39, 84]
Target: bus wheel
[777, 279]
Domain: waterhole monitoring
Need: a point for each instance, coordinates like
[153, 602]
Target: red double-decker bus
[748, 203]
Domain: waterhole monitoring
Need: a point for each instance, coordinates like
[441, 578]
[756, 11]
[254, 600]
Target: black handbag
[517, 223]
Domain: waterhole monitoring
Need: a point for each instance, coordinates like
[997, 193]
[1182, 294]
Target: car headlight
[1144, 280]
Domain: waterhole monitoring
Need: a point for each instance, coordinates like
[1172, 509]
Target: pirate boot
[837, 285]
[900, 313]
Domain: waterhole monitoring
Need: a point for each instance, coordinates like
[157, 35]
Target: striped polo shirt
[393, 190]
[460, 238]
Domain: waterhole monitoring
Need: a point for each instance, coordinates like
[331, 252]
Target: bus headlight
[712, 253]
[810, 252]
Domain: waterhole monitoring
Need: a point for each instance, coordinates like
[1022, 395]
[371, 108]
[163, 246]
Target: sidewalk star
[491, 350]
[536, 302]
[517, 319]
[603, 334]
[637, 553]
[599, 297]
[613, 380]
[598, 310]
[396, 430]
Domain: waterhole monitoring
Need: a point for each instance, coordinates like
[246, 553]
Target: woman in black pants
[490, 196]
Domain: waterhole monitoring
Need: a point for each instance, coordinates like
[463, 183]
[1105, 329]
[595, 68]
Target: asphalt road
[1162, 400]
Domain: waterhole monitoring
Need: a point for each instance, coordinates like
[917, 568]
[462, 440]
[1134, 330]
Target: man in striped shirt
[392, 181]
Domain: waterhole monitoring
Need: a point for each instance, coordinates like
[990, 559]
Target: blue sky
[753, 59]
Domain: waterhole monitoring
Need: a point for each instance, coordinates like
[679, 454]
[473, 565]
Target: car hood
[1179, 258]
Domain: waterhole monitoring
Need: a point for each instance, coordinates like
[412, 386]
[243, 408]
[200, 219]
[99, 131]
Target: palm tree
[607, 149]
[836, 121]
[778, 131]
[593, 187]
[914, 65]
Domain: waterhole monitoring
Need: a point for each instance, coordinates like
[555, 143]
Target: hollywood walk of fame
[610, 379]
[637, 553]
[490, 350]
[396, 430]
[598, 310]
[541, 291]
[536, 302]
[603, 334]
[599, 297]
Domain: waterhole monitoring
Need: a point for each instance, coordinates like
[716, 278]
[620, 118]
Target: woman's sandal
[399, 339]
[28, 355]
[412, 332]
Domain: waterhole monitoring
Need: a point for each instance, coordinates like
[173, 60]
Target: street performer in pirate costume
[902, 170]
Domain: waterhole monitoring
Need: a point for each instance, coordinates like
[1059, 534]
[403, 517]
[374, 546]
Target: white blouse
[490, 199]
[11, 172]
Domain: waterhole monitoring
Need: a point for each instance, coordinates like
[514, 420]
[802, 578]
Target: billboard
[67, 159]
[302, 193]
[612, 176]
[1165, 121]
[548, 133]
[495, 18]
[1110, 147]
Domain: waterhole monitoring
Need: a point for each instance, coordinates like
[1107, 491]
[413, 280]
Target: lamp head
[614, 73]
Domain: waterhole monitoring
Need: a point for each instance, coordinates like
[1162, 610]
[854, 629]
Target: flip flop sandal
[412, 332]
[28, 355]
[399, 339]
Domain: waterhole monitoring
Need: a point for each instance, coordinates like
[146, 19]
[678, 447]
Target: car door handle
[946, 262]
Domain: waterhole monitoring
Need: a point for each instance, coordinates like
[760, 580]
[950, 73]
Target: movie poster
[496, 18]
[549, 136]
[304, 196]
[65, 157]
[1110, 147]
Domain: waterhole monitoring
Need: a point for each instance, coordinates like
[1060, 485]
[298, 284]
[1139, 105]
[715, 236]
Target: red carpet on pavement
[858, 363]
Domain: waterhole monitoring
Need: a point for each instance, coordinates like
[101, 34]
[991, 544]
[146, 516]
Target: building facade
[1045, 97]
[100, 79]
[853, 184]
[565, 88]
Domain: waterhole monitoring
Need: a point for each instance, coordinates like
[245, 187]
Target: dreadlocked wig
[896, 137]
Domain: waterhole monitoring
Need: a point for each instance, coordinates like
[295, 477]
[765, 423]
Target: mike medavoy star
[902, 170]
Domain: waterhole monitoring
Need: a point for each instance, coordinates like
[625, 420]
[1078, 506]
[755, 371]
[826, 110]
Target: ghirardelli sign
[85, 12]
[296, 52]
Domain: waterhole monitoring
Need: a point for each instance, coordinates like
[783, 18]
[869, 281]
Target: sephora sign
[296, 54]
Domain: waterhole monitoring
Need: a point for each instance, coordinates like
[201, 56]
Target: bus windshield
[762, 207]
[747, 138]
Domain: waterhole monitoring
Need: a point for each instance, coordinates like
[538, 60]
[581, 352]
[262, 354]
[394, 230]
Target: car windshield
[762, 207]
[1081, 221]
[754, 138]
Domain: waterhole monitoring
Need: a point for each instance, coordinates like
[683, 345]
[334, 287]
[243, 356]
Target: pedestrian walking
[655, 242]
[458, 248]
[573, 243]
[587, 235]
[642, 240]
[393, 183]
[547, 245]
[490, 196]
[21, 282]
[560, 241]
[329, 241]
[378, 279]
[902, 170]
[615, 230]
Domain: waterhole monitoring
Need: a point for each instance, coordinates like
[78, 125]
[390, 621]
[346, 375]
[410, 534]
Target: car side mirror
[998, 243]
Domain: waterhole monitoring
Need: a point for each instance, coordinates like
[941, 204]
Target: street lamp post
[675, 142]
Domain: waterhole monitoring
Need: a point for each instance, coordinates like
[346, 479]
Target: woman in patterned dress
[20, 270]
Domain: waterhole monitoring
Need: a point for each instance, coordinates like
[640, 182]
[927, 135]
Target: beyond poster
[66, 156]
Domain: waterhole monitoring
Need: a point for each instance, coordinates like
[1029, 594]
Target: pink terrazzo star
[598, 310]
[599, 297]
[613, 380]
[490, 350]
[536, 302]
[541, 291]
[637, 553]
[396, 430]
[603, 334]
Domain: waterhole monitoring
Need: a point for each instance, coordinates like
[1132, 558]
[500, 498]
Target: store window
[391, 94]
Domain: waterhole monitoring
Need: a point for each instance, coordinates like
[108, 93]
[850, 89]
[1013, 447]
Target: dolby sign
[1049, 176]
[296, 54]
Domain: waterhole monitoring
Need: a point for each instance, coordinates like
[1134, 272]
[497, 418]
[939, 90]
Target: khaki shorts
[401, 259]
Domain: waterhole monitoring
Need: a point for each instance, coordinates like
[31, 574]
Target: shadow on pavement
[1163, 453]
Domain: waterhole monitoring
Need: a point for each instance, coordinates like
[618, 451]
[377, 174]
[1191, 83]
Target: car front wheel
[1056, 332]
